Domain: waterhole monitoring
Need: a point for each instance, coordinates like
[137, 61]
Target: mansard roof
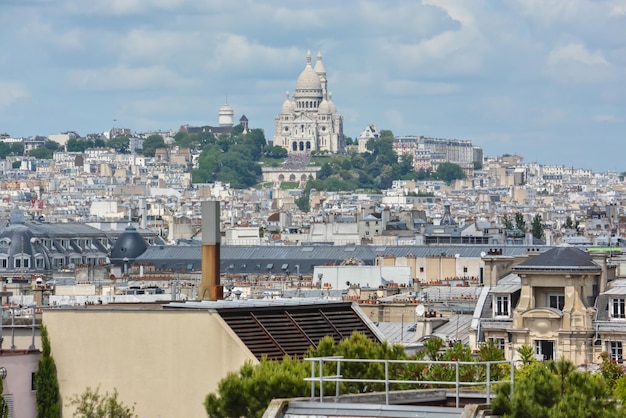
[560, 258]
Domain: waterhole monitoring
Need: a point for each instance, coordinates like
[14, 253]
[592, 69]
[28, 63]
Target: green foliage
[46, 384]
[507, 222]
[537, 227]
[527, 354]
[151, 143]
[93, 404]
[42, 153]
[248, 392]
[5, 149]
[81, 144]
[478, 165]
[520, 223]
[52, 145]
[569, 224]
[449, 172]
[120, 144]
[4, 407]
[16, 165]
[555, 389]
[610, 370]
[275, 151]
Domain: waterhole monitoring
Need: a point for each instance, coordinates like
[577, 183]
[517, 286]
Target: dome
[129, 245]
[308, 79]
[324, 107]
[288, 105]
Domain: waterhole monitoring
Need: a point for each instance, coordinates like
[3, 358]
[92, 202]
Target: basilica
[309, 120]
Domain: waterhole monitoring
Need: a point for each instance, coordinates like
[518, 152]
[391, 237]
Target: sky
[544, 79]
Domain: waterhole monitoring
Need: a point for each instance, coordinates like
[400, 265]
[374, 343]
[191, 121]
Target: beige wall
[164, 361]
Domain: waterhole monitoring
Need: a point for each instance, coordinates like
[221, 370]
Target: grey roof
[560, 258]
[255, 259]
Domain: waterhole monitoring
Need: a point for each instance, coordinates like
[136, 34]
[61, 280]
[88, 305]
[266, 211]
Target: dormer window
[501, 306]
[618, 308]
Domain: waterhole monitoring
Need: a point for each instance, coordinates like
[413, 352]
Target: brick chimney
[210, 288]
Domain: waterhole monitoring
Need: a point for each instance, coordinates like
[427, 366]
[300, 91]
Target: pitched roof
[560, 258]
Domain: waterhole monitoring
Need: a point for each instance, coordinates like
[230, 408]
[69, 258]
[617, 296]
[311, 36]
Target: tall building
[309, 120]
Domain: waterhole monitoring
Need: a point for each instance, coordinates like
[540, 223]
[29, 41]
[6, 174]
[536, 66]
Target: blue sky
[543, 79]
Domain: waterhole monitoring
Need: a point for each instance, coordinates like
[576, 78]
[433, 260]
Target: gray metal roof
[560, 258]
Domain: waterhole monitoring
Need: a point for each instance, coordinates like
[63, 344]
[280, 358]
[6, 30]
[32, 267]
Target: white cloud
[414, 88]
[607, 118]
[575, 63]
[11, 92]
[122, 77]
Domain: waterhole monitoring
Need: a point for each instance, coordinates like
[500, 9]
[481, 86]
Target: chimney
[210, 288]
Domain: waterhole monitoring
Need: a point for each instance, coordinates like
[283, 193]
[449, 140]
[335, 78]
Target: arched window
[308, 145]
[292, 177]
[301, 146]
[294, 146]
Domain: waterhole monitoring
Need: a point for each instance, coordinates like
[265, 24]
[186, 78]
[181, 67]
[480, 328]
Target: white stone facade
[309, 120]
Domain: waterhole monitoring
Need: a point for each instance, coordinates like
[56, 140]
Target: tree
[120, 144]
[41, 153]
[449, 172]
[4, 408]
[520, 223]
[507, 222]
[151, 143]
[275, 151]
[92, 404]
[78, 144]
[537, 227]
[569, 224]
[555, 389]
[52, 145]
[46, 384]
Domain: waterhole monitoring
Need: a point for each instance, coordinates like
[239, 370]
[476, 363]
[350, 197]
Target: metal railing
[319, 378]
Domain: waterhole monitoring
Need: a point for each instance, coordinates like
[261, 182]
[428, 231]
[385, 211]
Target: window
[501, 307]
[615, 348]
[4, 263]
[556, 301]
[421, 269]
[617, 308]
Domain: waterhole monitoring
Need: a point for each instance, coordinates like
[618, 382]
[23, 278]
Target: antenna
[419, 310]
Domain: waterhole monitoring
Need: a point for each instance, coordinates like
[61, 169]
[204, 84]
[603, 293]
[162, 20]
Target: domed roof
[129, 245]
[227, 109]
[288, 105]
[331, 105]
[324, 107]
[308, 79]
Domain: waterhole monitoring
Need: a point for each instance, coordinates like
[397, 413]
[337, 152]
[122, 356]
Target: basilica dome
[308, 79]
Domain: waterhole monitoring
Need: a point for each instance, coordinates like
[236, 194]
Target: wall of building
[164, 361]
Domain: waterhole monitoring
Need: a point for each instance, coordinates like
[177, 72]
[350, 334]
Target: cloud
[11, 92]
[607, 118]
[124, 78]
[416, 88]
[575, 63]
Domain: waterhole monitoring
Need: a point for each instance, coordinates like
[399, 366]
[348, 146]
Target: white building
[309, 121]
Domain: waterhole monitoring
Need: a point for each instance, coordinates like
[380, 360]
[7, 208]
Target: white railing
[318, 379]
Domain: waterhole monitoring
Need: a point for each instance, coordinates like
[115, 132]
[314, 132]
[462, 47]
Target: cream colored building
[309, 121]
[552, 301]
[166, 359]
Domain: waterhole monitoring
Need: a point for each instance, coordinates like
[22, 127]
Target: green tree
[478, 165]
[52, 145]
[5, 149]
[120, 144]
[151, 143]
[555, 389]
[507, 222]
[527, 354]
[16, 165]
[537, 227]
[275, 151]
[41, 153]
[78, 144]
[449, 172]
[520, 223]
[569, 224]
[4, 408]
[46, 384]
[17, 148]
[92, 404]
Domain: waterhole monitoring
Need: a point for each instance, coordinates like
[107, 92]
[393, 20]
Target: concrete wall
[164, 361]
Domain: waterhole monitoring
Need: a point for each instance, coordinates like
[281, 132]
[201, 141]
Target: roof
[275, 328]
[560, 258]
